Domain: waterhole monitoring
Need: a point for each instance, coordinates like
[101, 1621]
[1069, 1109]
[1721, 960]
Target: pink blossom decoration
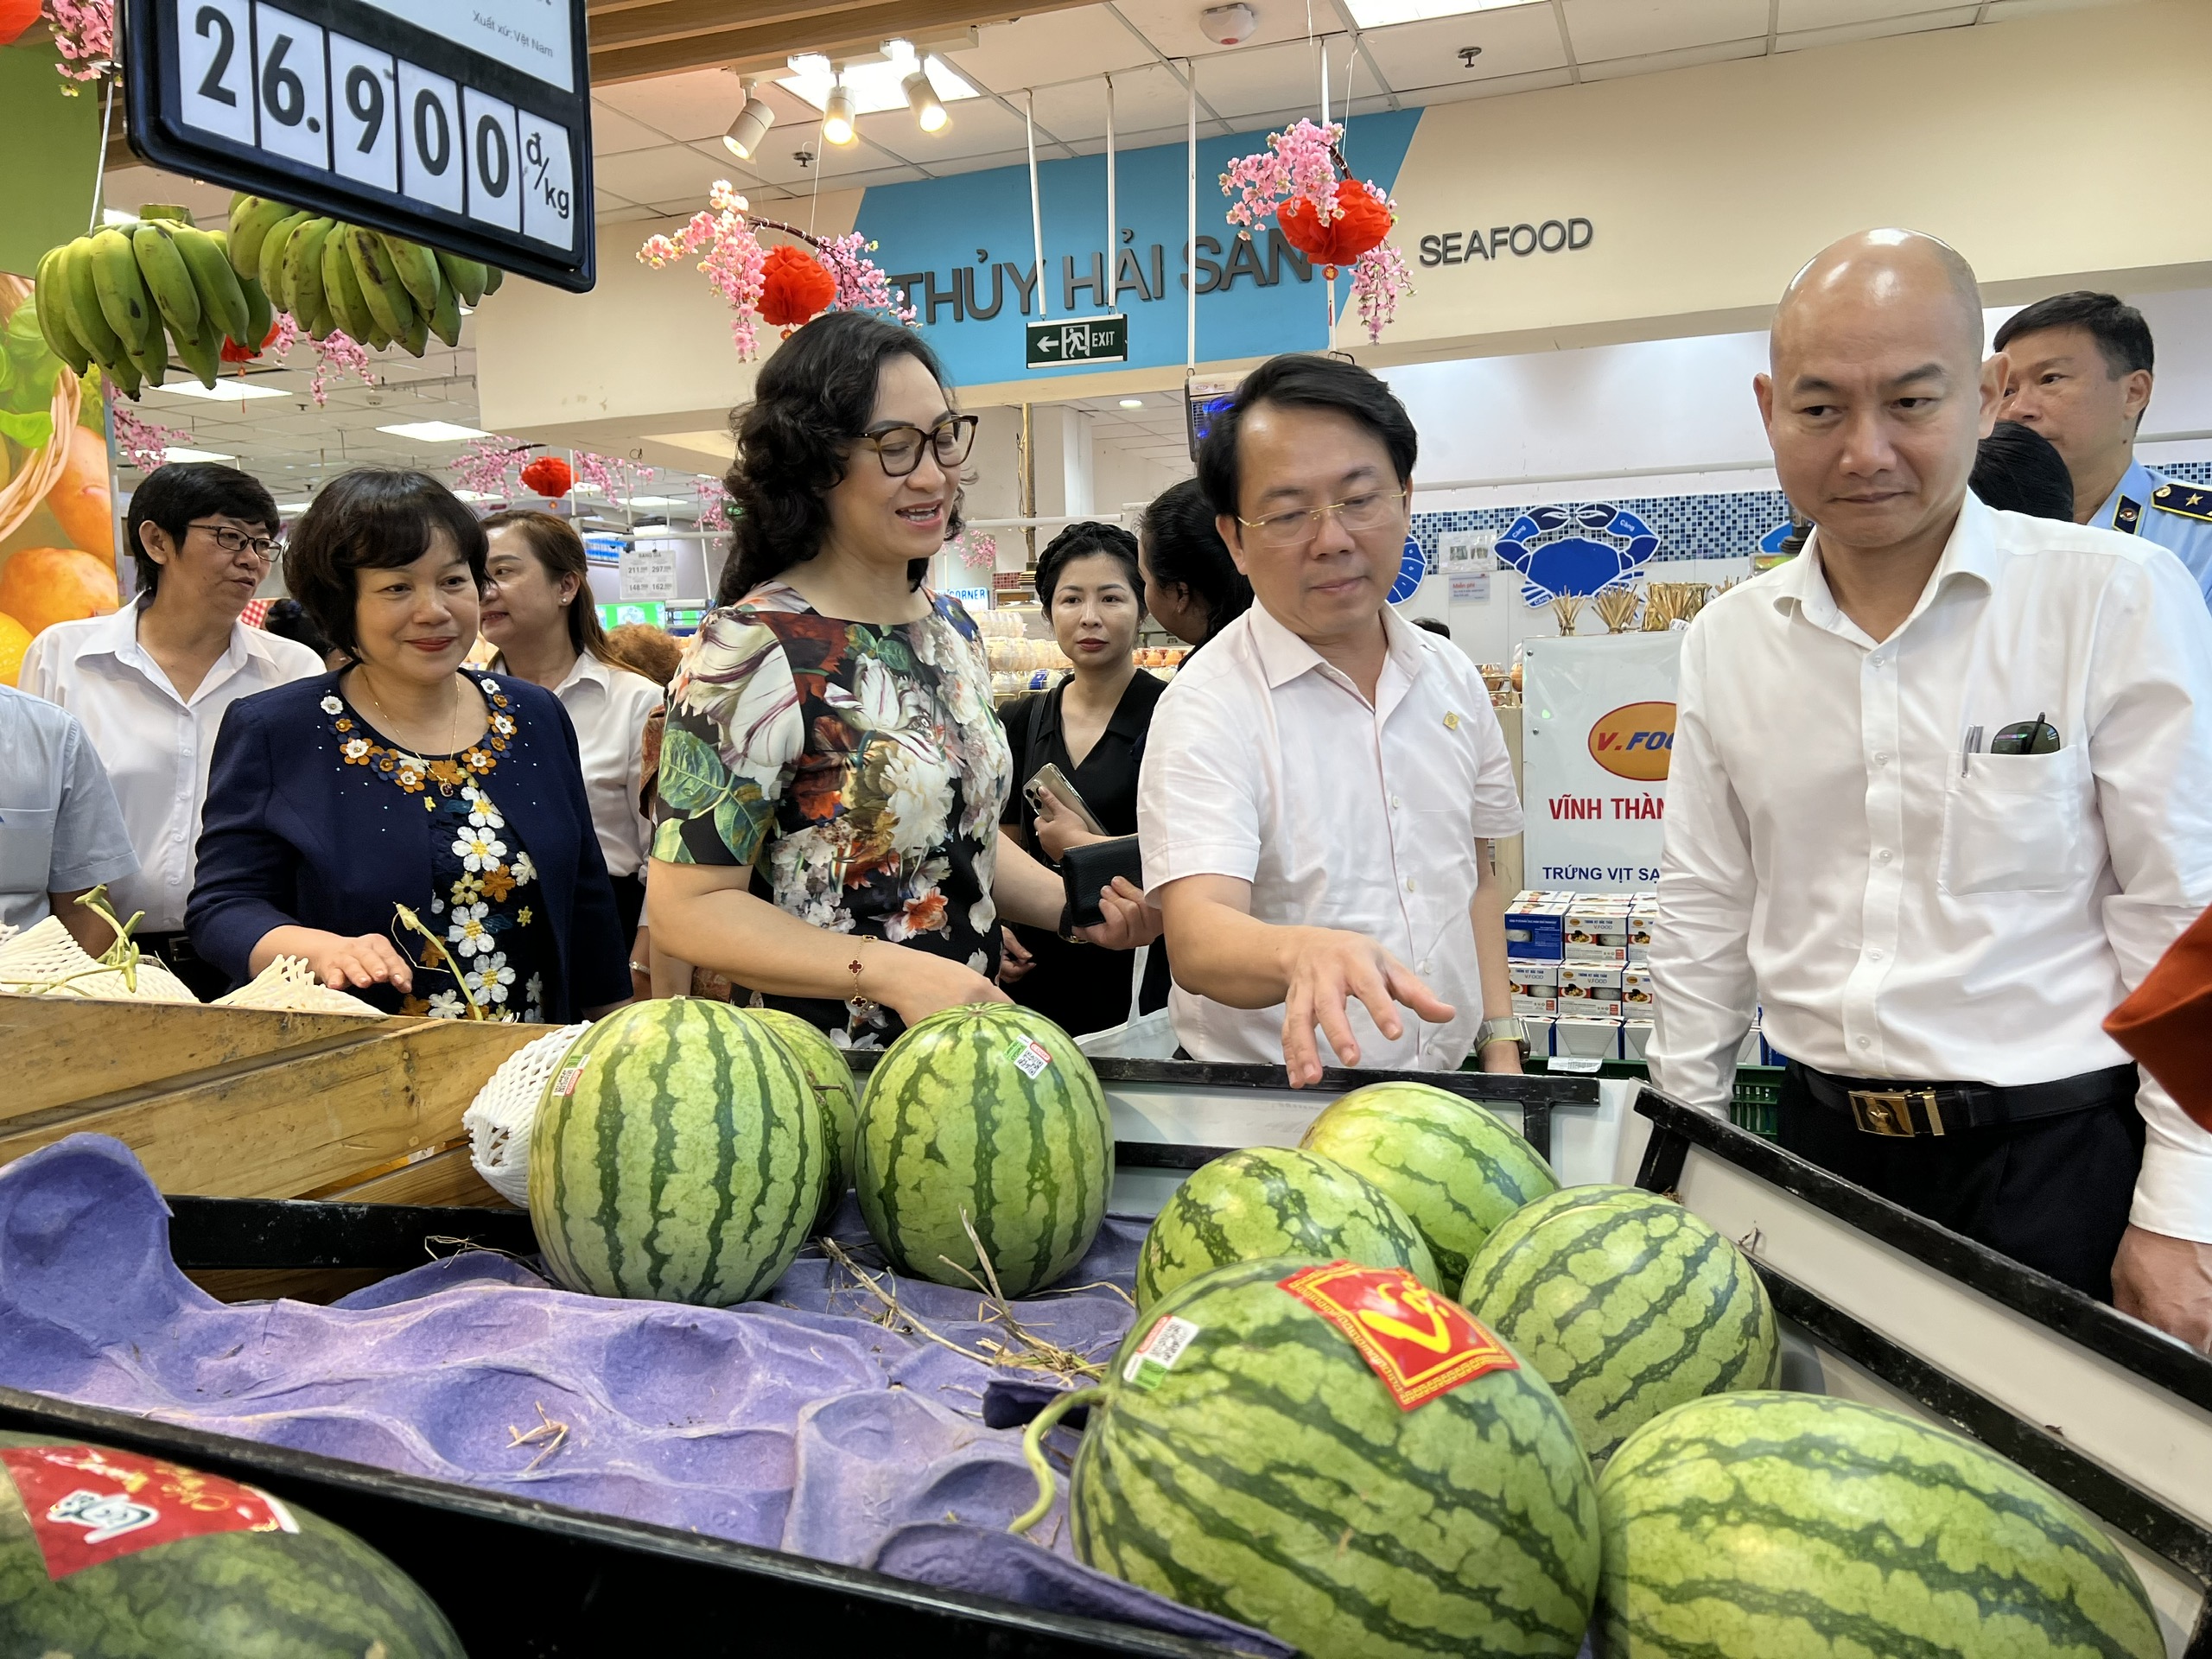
[337, 354]
[84, 33]
[726, 241]
[484, 464]
[979, 551]
[1304, 163]
[714, 503]
[142, 443]
[613, 478]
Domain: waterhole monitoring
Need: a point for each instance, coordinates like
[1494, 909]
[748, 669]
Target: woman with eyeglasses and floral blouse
[832, 772]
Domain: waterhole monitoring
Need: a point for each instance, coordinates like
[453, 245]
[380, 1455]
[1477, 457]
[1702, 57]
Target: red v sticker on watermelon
[1422, 1344]
[87, 1505]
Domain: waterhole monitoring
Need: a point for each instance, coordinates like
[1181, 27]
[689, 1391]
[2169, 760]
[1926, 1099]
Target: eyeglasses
[900, 448]
[235, 542]
[1370, 510]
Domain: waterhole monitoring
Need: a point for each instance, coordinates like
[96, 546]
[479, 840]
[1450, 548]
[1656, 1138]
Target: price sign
[466, 128]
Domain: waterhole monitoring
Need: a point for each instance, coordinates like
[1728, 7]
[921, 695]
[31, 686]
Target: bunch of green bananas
[124, 296]
[333, 275]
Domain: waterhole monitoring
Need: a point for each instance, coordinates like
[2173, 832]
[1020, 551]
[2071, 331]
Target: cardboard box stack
[1580, 965]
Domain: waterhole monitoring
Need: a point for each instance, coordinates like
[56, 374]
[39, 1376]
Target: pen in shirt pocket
[1970, 745]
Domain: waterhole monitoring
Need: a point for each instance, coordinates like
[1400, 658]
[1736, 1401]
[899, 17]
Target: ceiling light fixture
[922, 99]
[475, 495]
[1132, 403]
[174, 453]
[1380, 14]
[754, 120]
[878, 83]
[224, 391]
[837, 111]
[433, 431]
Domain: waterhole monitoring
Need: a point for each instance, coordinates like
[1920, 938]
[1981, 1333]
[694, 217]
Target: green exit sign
[1078, 340]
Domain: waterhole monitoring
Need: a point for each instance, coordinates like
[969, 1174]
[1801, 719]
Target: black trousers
[2052, 1194]
[201, 977]
[629, 905]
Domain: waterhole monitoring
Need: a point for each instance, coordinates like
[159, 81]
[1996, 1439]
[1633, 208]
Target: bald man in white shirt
[1938, 802]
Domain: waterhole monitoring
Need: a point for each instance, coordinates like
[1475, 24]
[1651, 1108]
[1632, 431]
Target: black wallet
[1088, 870]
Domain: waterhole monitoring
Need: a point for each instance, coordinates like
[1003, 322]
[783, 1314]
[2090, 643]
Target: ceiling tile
[613, 132]
[979, 127]
[1795, 16]
[1869, 29]
[1037, 51]
[2006, 11]
[697, 104]
[1635, 28]
[126, 189]
[1514, 42]
[1172, 26]
[1252, 79]
[672, 171]
[1688, 58]
[1147, 97]
[1499, 87]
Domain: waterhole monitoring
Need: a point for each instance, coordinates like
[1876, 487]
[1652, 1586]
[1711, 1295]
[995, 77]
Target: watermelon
[131, 1587]
[1627, 1303]
[678, 1156]
[989, 1112]
[1792, 1526]
[1270, 1201]
[1453, 1166]
[832, 1081]
[1266, 1474]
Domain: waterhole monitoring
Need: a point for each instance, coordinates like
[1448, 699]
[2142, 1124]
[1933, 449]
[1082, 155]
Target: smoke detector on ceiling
[1230, 25]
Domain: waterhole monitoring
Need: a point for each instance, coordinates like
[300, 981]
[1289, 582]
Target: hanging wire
[1191, 247]
[99, 164]
[1036, 211]
[1113, 228]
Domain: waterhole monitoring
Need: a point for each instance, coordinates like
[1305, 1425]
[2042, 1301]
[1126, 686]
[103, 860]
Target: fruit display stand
[247, 1102]
[523, 1578]
[1896, 1311]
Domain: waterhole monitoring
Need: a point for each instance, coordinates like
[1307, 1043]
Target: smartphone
[1050, 779]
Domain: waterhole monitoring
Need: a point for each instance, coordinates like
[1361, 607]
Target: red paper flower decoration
[794, 287]
[548, 476]
[15, 16]
[234, 353]
[1361, 223]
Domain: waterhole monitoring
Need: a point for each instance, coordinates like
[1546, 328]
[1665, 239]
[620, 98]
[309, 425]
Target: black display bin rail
[2115, 1414]
[535, 1580]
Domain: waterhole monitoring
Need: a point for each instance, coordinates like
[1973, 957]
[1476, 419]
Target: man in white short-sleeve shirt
[1938, 802]
[1320, 778]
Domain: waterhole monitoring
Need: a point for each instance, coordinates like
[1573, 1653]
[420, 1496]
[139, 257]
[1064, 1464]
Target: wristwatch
[1508, 1030]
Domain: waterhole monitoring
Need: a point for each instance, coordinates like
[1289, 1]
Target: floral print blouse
[482, 902]
[858, 769]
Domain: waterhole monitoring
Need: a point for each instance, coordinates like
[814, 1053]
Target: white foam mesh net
[288, 985]
[45, 960]
[499, 1120]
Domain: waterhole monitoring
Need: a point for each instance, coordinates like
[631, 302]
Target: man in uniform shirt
[2080, 375]
[1937, 801]
[1318, 782]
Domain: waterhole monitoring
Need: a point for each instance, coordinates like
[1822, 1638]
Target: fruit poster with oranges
[57, 515]
[57, 534]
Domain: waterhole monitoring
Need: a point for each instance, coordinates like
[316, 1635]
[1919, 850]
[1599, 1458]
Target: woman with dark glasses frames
[832, 773]
[151, 682]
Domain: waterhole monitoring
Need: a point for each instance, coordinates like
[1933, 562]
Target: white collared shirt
[155, 745]
[1901, 907]
[1267, 764]
[609, 707]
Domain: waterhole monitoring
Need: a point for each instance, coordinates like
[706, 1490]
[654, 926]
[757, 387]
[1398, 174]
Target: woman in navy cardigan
[418, 832]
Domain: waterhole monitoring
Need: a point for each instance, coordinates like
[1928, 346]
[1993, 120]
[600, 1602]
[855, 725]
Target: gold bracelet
[854, 967]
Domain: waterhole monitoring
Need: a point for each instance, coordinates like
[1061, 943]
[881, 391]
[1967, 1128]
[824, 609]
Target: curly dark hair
[1187, 550]
[813, 398]
[371, 518]
[1080, 540]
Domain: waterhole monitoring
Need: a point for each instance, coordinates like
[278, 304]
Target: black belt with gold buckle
[1906, 1110]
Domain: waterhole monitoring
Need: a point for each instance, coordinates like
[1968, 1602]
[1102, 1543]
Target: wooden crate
[241, 1103]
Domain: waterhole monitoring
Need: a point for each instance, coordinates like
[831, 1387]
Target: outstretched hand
[1328, 968]
[1128, 920]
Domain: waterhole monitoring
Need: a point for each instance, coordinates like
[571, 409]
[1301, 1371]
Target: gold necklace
[368, 685]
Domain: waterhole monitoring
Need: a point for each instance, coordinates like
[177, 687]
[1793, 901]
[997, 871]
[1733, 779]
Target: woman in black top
[1092, 727]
